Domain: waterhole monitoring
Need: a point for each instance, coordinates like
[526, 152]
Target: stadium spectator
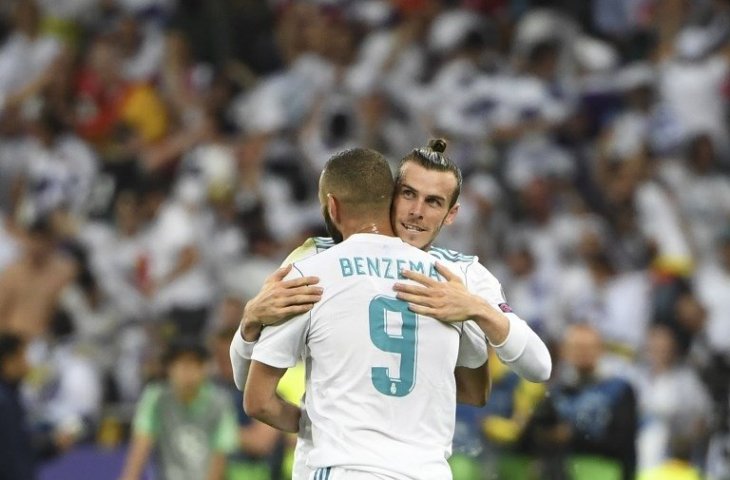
[30, 286]
[187, 420]
[259, 451]
[669, 393]
[27, 57]
[589, 420]
[566, 116]
[21, 448]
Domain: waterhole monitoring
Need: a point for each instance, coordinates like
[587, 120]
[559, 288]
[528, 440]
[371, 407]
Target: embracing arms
[515, 343]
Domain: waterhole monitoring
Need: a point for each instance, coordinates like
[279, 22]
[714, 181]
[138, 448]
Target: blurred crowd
[159, 158]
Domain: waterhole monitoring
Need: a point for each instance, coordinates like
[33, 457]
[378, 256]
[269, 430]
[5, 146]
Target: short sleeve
[481, 282]
[145, 418]
[282, 345]
[472, 346]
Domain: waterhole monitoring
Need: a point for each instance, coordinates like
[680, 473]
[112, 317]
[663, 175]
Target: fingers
[415, 299]
[298, 282]
[446, 273]
[422, 310]
[417, 277]
[415, 289]
[297, 309]
[429, 312]
[279, 273]
[302, 290]
[303, 299]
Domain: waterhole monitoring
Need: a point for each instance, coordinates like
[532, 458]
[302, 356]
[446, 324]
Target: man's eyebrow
[435, 197]
[428, 197]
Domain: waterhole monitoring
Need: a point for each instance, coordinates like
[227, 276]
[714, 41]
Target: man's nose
[417, 209]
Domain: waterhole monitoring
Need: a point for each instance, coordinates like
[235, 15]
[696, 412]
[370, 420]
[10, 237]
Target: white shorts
[337, 473]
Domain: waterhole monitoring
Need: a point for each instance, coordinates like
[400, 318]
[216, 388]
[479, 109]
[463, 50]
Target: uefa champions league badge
[505, 308]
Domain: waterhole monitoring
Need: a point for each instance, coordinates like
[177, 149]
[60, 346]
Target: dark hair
[359, 177]
[184, 345]
[433, 157]
[10, 344]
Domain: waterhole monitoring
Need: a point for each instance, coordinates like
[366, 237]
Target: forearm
[240, 353]
[277, 413]
[137, 458]
[523, 351]
[494, 324]
[262, 402]
[258, 440]
[472, 385]
[217, 467]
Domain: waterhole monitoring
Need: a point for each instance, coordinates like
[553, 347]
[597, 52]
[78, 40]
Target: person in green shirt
[187, 421]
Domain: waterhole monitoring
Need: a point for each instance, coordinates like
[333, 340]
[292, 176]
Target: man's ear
[333, 207]
[451, 216]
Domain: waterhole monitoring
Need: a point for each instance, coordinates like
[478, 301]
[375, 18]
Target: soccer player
[381, 393]
[427, 189]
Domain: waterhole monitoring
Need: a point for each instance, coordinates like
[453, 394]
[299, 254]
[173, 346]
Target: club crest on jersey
[505, 308]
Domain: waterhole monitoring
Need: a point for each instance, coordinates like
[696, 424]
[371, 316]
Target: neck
[367, 226]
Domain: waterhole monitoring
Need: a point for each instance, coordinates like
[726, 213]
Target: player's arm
[472, 376]
[473, 385]
[279, 347]
[278, 300]
[262, 402]
[516, 344]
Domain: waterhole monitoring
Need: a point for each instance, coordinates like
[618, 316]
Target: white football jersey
[381, 393]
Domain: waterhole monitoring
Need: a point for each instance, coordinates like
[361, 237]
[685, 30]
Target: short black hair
[10, 345]
[359, 177]
[432, 157]
[185, 345]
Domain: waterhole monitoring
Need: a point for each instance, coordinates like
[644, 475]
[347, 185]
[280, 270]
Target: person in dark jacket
[17, 458]
[588, 416]
[19, 449]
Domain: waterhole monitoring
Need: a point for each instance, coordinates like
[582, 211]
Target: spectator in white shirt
[670, 391]
[26, 57]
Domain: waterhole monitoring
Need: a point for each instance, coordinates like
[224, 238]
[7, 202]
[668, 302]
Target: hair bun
[437, 145]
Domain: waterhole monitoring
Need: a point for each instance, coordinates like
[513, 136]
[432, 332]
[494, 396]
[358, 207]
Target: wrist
[250, 329]
[478, 309]
[492, 322]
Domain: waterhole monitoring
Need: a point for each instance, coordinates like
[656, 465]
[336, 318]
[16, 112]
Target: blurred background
[159, 158]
